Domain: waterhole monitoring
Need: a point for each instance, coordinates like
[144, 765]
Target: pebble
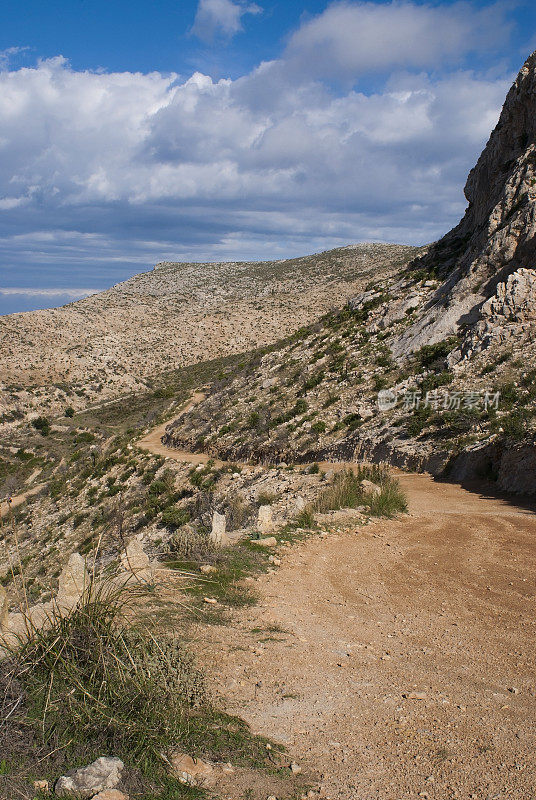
[211, 600]
[295, 768]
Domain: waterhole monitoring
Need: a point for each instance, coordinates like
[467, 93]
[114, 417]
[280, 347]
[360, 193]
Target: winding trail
[396, 660]
[152, 441]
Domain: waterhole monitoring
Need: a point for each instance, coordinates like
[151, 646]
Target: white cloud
[348, 38]
[8, 55]
[126, 167]
[220, 18]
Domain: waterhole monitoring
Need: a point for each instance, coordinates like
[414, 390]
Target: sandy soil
[406, 668]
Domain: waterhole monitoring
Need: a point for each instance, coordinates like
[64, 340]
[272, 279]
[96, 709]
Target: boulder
[299, 504]
[265, 522]
[74, 581]
[218, 533]
[110, 794]
[136, 561]
[370, 487]
[268, 541]
[104, 773]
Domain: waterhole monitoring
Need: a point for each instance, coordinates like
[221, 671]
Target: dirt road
[408, 664]
[396, 660]
[152, 440]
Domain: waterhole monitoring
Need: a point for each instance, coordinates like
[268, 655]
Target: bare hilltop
[174, 315]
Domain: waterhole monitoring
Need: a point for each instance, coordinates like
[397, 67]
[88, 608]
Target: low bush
[92, 685]
[174, 517]
[347, 491]
[42, 425]
[265, 498]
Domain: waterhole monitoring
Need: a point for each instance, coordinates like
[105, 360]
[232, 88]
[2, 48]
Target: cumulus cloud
[349, 39]
[220, 18]
[121, 170]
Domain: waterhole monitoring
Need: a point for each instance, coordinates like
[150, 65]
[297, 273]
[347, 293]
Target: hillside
[431, 368]
[175, 315]
[205, 495]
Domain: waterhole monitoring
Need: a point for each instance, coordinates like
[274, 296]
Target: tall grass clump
[347, 491]
[90, 683]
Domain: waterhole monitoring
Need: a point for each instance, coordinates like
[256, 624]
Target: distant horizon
[19, 299]
[239, 130]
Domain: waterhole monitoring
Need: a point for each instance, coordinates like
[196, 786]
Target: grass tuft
[347, 491]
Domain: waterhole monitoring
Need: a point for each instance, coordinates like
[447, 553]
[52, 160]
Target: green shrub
[42, 425]
[157, 487]
[174, 517]
[93, 685]
[253, 420]
[319, 427]
[266, 498]
[69, 412]
[300, 407]
[305, 519]
[353, 421]
[380, 382]
[432, 356]
[515, 425]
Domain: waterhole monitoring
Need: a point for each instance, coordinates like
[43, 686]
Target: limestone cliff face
[497, 235]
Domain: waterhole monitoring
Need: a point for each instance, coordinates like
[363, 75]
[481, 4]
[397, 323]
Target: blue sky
[220, 130]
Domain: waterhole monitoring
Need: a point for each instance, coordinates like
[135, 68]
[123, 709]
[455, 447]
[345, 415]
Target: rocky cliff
[450, 341]
[497, 235]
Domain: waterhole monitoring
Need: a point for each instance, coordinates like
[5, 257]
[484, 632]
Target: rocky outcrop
[497, 235]
[508, 315]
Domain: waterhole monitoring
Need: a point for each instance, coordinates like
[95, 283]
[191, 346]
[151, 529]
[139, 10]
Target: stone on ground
[218, 534]
[191, 771]
[73, 582]
[104, 773]
[136, 561]
[265, 522]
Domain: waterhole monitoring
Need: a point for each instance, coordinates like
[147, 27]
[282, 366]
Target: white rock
[74, 581]
[299, 504]
[265, 522]
[370, 487]
[104, 773]
[136, 561]
[218, 535]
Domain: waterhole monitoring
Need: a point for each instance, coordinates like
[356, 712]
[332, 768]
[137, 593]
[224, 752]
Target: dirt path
[18, 500]
[408, 664]
[152, 440]
[397, 660]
